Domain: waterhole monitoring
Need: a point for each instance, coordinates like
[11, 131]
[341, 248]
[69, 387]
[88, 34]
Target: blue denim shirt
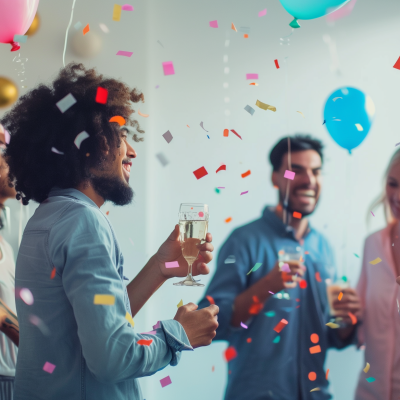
[93, 347]
[275, 365]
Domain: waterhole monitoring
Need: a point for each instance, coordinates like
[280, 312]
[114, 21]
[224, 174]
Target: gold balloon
[34, 26]
[8, 92]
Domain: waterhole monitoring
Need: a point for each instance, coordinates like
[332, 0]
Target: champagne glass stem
[190, 270]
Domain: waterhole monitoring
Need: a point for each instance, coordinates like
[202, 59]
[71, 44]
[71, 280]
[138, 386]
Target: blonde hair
[382, 199]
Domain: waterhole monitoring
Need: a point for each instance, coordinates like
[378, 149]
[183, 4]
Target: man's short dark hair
[37, 127]
[298, 142]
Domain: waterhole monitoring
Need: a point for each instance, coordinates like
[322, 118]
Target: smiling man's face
[305, 188]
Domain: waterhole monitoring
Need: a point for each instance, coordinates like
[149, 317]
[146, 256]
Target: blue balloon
[310, 9]
[348, 116]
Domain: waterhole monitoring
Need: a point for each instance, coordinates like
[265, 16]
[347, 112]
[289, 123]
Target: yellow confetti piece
[376, 261]
[265, 106]
[301, 113]
[104, 299]
[180, 304]
[332, 325]
[129, 318]
[117, 12]
[315, 390]
[359, 127]
[366, 369]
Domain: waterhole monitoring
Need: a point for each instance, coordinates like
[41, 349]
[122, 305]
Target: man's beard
[112, 189]
[290, 209]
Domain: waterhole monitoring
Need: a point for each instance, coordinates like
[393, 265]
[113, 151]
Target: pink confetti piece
[48, 367]
[289, 175]
[243, 325]
[285, 268]
[172, 264]
[220, 187]
[262, 13]
[124, 53]
[271, 292]
[165, 381]
[372, 214]
[244, 192]
[214, 24]
[127, 7]
[157, 325]
[251, 76]
[26, 296]
[7, 136]
[168, 67]
[149, 333]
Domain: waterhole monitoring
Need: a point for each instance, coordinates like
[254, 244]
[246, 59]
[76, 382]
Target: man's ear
[274, 178]
[104, 147]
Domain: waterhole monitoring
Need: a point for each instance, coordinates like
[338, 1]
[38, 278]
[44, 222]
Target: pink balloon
[16, 17]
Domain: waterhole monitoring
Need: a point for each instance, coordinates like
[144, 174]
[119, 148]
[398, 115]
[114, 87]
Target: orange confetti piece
[233, 27]
[86, 29]
[145, 342]
[340, 296]
[306, 252]
[53, 273]
[297, 215]
[315, 349]
[247, 173]
[228, 219]
[314, 338]
[246, 36]
[108, 212]
[210, 299]
[318, 277]
[213, 368]
[327, 373]
[142, 115]
[253, 84]
[226, 132]
[120, 120]
[312, 376]
[280, 325]
[353, 318]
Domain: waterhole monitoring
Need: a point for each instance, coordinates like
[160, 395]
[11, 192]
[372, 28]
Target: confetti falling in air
[289, 174]
[243, 325]
[297, 215]
[372, 214]
[124, 53]
[370, 379]
[315, 349]
[332, 325]
[376, 261]
[144, 342]
[86, 29]
[262, 12]
[251, 76]
[180, 304]
[66, 102]
[80, 138]
[20, 38]
[301, 113]
[200, 173]
[201, 124]
[327, 373]
[118, 119]
[229, 219]
[232, 130]
[318, 277]
[165, 381]
[352, 317]
[244, 192]
[53, 273]
[233, 27]
[230, 353]
[104, 299]
[163, 160]
[230, 260]
[48, 367]
[221, 168]
[278, 328]
[226, 132]
[265, 106]
[167, 136]
[54, 150]
[127, 7]
[276, 64]
[270, 313]
[315, 389]
[78, 25]
[277, 339]
[312, 376]
[26, 296]
[104, 28]
[255, 268]
[303, 284]
[116, 12]
[284, 267]
[247, 173]
[101, 95]
[356, 255]
[397, 64]
[34, 320]
[143, 115]
[213, 24]
[172, 264]
[250, 110]
[366, 369]
[340, 296]
[359, 127]
[210, 299]
[168, 68]
[129, 318]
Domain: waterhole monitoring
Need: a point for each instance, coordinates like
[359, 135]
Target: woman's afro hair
[39, 130]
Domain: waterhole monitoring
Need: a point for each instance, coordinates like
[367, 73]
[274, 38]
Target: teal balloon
[310, 9]
[348, 116]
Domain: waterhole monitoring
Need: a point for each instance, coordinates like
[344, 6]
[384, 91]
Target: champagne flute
[193, 225]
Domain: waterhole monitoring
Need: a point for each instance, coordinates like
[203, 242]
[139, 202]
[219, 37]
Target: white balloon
[86, 46]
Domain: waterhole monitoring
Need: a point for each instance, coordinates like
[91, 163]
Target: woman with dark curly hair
[76, 336]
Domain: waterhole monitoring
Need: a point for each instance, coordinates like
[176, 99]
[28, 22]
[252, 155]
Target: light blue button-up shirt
[271, 365]
[93, 347]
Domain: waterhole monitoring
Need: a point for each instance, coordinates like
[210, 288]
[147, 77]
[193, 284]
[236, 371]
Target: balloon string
[66, 33]
[286, 201]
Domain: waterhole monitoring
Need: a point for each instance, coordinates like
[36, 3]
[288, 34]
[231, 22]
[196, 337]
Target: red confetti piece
[327, 373]
[315, 349]
[86, 29]
[145, 342]
[314, 338]
[276, 64]
[230, 353]
[297, 215]
[249, 340]
[318, 277]
[226, 132]
[247, 173]
[101, 95]
[280, 325]
[303, 284]
[256, 308]
[108, 212]
[199, 173]
[53, 273]
[210, 299]
[397, 65]
[353, 318]
[228, 219]
[221, 168]
[232, 130]
[213, 368]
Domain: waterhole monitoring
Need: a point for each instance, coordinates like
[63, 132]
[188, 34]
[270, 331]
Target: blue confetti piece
[270, 313]
[208, 136]
[370, 379]
[277, 339]
[250, 110]
[20, 38]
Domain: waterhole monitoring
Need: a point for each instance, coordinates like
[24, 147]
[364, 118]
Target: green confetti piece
[344, 278]
[356, 255]
[255, 268]
[217, 190]
[270, 313]
[370, 379]
[277, 339]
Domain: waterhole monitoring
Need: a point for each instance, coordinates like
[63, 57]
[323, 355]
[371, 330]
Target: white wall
[367, 43]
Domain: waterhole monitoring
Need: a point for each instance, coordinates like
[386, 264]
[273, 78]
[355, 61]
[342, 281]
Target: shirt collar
[75, 193]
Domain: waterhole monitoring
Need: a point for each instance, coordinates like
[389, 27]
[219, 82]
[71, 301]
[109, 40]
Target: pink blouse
[380, 330]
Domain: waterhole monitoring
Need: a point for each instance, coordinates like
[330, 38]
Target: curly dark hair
[36, 125]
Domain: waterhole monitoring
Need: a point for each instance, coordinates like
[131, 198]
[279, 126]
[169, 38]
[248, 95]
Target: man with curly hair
[71, 159]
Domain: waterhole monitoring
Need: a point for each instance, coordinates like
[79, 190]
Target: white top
[8, 350]
[380, 330]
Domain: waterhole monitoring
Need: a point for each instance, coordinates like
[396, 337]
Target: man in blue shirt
[279, 364]
[77, 339]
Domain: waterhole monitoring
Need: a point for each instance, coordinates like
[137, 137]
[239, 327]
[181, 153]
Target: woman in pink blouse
[380, 297]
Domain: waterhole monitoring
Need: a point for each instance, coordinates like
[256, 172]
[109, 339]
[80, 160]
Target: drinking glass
[332, 291]
[289, 253]
[193, 225]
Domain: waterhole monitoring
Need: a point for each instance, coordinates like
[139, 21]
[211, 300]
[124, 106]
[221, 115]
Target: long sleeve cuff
[176, 339]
